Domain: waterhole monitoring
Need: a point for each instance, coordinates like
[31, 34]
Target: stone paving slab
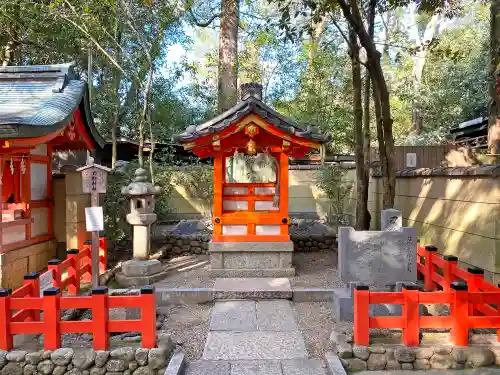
[303, 367]
[275, 315]
[233, 346]
[252, 287]
[256, 368]
[207, 368]
[234, 316]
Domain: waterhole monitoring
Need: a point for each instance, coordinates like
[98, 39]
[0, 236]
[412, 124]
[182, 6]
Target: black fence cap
[87, 242]
[5, 292]
[431, 248]
[54, 262]
[51, 292]
[31, 276]
[148, 289]
[475, 271]
[411, 287]
[362, 287]
[100, 290]
[459, 285]
[450, 258]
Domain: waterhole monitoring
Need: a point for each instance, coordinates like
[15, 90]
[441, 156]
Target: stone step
[252, 288]
[286, 367]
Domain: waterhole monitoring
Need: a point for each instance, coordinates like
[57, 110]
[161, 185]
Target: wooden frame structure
[260, 210]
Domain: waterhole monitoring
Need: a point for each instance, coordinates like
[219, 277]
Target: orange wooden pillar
[283, 204]
[450, 265]
[148, 316]
[362, 315]
[100, 317]
[460, 313]
[218, 187]
[476, 275]
[6, 339]
[33, 279]
[74, 272]
[430, 251]
[411, 316]
[51, 319]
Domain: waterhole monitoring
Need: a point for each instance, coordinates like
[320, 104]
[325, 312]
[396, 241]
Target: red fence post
[51, 319]
[100, 317]
[74, 271]
[362, 315]
[33, 278]
[103, 254]
[411, 315]
[450, 264]
[54, 266]
[6, 339]
[148, 316]
[476, 275]
[430, 252]
[460, 313]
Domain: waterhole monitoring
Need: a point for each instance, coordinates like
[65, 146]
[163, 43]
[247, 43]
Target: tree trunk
[228, 55]
[361, 204]
[116, 120]
[145, 114]
[494, 119]
[386, 139]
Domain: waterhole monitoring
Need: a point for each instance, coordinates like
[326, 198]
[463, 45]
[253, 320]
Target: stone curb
[312, 295]
[333, 364]
[176, 364]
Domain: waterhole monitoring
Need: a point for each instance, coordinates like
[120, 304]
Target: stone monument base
[136, 272]
[251, 259]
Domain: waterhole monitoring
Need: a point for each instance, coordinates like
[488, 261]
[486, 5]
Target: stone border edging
[176, 364]
[478, 170]
[333, 364]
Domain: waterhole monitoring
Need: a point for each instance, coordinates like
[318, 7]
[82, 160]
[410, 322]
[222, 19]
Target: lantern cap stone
[140, 186]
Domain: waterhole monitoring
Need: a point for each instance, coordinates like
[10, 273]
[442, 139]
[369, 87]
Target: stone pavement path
[254, 338]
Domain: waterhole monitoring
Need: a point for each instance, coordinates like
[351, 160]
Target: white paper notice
[94, 219]
[45, 281]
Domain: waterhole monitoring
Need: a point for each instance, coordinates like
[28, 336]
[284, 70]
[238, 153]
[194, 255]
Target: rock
[3, 359]
[157, 358]
[377, 349]
[162, 370]
[33, 358]
[86, 337]
[478, 357]
[46, 354]
[458, 366]
[424, 353]
[144, 370]
[29, 369]
[59, 370]
[404, 354]
[84, 359]
[443, 350]
[141, 356]
[98, 370]
[85, 372]
[392, 363]
[115, 373]
[459, 354]
[132, 366]
[422, 364]
[407, 366]
[441, 361]
[361, 352]
[101, 357]
[344, 350]
[74, 371]
[70, 367]
[62, 357]
[126, 353]
[127, 372]
[376, 362]
[497, 361]
[12, 368]
[16, 356]
[116, 365]
[352, 364]
[165, 342]
[45, 367]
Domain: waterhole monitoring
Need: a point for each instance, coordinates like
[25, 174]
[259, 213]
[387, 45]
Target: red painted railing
[27, 319]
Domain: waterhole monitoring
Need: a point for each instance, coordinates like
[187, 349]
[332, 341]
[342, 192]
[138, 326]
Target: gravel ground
[315, 320]
[316, 270]
[188, 326]
[188, 272]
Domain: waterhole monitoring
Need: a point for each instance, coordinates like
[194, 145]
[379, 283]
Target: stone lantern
[140, 270]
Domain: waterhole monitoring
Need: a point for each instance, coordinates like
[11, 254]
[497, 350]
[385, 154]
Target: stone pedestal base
[135, 273]
[251, 259]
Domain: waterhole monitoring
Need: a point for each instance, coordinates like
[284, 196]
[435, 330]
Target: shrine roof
[245, 107]
[41, 99]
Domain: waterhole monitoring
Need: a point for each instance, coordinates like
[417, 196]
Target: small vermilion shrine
[251, 144]
[43, 109]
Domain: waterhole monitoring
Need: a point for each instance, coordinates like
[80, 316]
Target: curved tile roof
[243, 108]
[39, 100]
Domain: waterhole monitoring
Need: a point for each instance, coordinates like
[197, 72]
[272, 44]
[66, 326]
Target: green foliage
[197, 180]
[333, 180]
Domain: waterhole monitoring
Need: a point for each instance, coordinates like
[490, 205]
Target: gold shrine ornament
[251, 147]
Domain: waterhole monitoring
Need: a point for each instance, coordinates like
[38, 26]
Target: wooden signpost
[94, 180]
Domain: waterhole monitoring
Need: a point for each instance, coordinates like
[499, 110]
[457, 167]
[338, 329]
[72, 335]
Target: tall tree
[494, 119]
[228, 55]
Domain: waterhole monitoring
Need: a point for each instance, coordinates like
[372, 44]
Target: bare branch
[202, 23]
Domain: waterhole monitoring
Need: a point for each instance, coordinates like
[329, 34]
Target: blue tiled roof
[39, 100]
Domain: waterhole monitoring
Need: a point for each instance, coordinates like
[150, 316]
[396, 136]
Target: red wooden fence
[27, 319]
